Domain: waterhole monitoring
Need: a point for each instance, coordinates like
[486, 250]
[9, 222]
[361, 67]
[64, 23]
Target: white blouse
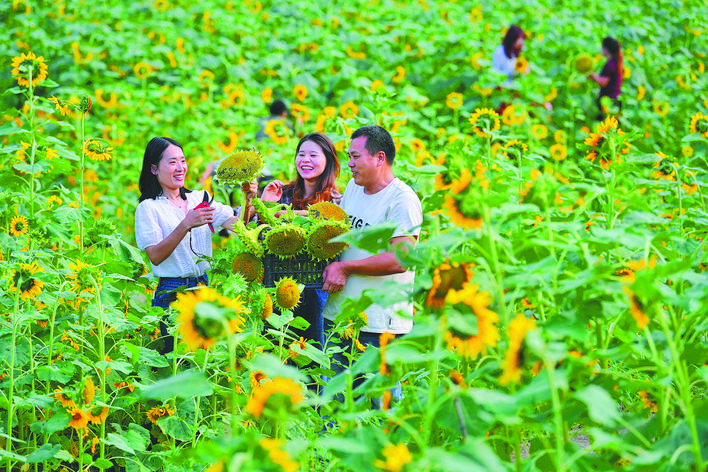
[156, 219]
[505, 65]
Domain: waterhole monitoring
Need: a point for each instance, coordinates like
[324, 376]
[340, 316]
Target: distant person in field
[374, 196]
[175, 235]
[610, 77]
[278, 111]
[505, 57]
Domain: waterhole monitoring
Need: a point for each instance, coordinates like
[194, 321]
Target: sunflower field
[561, 288]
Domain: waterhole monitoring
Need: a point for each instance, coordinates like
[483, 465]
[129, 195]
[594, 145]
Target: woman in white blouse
[175, 235]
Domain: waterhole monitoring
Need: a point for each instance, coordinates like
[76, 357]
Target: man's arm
[335, 275]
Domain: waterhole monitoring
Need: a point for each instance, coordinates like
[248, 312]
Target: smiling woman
[168, 213]
[317, 169]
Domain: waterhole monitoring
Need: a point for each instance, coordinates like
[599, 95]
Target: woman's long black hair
[514, 33]
[148, 183]
[615, 49]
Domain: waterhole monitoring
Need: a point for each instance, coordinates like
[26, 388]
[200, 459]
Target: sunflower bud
[86, 104]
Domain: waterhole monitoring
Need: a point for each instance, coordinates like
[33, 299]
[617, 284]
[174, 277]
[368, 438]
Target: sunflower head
[83, 276]
[446, 277]
[19, 226]
[583, 63]
[205, 316]
[249, 266]
[26, 65]
[267, 306]
[239, 167]
[23, 279]
[318, 241]
[285, 241]
[287, 293]
[328, 211]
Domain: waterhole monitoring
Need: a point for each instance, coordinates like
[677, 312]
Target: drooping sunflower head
[239, 167]
[318, 241]
[24, 280]
[249, 266]
[584, 63]
[97, 151]
[285, 241]
[203, 315]
[484, 121]
[19, 226]
[448, 276]
[82, 276]
[328, 211]
[699, 124]
[267, 306]
[98, 229]
[26, 65]
[287, 293]
[276, 395]
[465, 209]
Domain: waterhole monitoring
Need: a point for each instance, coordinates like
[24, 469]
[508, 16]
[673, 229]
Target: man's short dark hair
[377, 140]
[278, 107]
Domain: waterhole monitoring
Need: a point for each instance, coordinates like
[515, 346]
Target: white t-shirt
[156, 219]
[505, 65]
[397, 203]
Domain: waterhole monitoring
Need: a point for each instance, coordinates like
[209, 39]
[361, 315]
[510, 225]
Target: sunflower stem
[81, 193]
[101, 358]
[11, 387]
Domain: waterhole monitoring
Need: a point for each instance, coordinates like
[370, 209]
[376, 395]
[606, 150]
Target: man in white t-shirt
[374, 196]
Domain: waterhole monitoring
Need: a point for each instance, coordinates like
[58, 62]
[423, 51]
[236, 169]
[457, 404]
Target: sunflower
[81, 277]
[661, 108]
[300, 92]
[19, 226]
[518, 327]
[278, 455]
[300, 112]
[584, 63]
[23, 278]
[277, 130]
[269, 391]
[636, 308]
[65, 402]
[539, 131]
[97, 151]
[198, 326]
[699, 124]
[608, 135]
[396, 456]
[287, 293]
[327, 211]
[23, 64]
[446, 277]
[484, 121]
[142, 70]
[487, 332]
[558, 151]
[267, 95]
[641, 93]
[399, 75]
[349, 110]
[249, 266]
[155, 414]
[267, 306]
[79, 418]
[206, 78]
[239, 167]
[285, 241]
[318, 241]
[98, 414]
[62, 106]
[687, 151]
[89, 391]
[552, 95]
[515, 146]
[665, 168]
[522, 65]
[457, 186]
[454, 100]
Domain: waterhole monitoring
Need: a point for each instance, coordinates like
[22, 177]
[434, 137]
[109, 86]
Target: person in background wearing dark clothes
[610, 77]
